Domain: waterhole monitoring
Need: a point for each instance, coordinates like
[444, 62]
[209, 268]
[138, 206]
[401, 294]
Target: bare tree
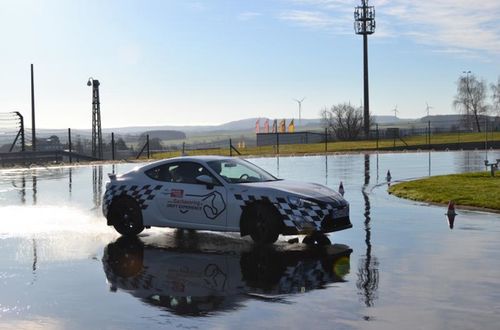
[495, 96]
[344, 120]
[470, 99]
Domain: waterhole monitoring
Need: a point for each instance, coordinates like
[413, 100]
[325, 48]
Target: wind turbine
[396, 111]
[427, 108]
[300, 108]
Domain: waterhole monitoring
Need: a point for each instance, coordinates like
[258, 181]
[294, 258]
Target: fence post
[429, 130]
[147, 143]
[377, 137]
[230, 147]
[69, 146]
[326, 140]
[278, 143]
[112, 145]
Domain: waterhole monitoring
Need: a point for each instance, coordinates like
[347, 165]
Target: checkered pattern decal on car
[142, 194]
[303, 275]
[294, 279]
[311, 213]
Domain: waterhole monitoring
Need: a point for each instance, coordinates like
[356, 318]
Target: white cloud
[462, 25]
[196, 5]
[456, 26]
[249, 15]
[307, 18]
[339, 24]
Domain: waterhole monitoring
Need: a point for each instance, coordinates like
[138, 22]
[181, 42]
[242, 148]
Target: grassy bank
[468, 189]
[341, 146]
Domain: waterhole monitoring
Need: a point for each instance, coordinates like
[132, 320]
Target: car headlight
[299, 202]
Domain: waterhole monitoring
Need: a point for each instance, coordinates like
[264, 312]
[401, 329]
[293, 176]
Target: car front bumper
[334, 219]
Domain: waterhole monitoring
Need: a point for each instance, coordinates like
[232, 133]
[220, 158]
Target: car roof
[202, 159]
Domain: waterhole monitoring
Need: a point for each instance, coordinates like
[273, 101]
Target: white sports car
[221, 194]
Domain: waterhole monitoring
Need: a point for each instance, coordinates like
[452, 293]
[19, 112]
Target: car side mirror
[207, 180]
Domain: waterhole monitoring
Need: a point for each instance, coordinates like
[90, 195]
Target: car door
[185, 201]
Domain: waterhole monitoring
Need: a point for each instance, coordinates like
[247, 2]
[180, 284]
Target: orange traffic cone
[451, 208]
[388, 177]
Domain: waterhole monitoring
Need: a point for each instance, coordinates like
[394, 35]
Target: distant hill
[164, 135]
[389, 120]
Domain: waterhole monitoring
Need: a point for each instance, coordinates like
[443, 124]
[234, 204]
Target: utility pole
[96, 119]
[364, 24]
[33, 131]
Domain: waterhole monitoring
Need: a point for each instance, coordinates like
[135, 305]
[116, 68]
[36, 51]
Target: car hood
[303, 189]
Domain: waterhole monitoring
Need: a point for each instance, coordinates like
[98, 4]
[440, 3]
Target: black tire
[126, 216]
[308, 240]
[323, 240]
[318, 239]
[266, 224]
[125, 257]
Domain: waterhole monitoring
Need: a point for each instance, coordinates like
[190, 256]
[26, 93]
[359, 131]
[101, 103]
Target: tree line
[471, 100]
[474, 98]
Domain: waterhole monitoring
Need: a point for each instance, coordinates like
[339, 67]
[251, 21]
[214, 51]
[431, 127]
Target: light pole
[300, 109]
[364, 24]
[96, 119]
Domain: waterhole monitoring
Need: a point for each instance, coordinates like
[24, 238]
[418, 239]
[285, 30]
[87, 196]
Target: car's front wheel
[266, 224]
[126, 216]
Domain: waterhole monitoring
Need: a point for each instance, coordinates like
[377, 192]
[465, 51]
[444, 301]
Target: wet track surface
[400, 266]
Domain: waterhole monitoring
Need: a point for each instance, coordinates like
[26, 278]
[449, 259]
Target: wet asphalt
[400, 266]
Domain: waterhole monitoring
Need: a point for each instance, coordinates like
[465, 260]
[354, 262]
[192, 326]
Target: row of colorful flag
[277, 128]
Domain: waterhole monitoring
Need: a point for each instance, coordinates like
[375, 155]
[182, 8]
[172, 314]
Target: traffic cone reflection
[451, 220]
[341, 189]
[451, 208]
[451, 214]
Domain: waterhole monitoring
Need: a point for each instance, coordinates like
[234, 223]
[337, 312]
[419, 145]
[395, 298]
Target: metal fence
[67, 145]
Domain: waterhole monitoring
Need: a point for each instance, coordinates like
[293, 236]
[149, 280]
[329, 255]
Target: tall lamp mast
[364, 24]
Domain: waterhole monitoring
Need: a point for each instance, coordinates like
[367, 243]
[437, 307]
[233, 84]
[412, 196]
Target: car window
[180, 172]
[239, 171]
[160, 173]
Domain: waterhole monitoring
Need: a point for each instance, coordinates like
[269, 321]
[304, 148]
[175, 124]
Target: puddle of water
[29, 221]
[407, 267]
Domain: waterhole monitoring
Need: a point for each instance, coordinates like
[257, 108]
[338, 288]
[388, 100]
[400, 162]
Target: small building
[268, 139]
[51, 143]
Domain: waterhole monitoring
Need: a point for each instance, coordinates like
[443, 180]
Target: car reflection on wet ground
[196, 274]
[400, 266]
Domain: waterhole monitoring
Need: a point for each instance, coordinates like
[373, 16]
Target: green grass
[469, 189]
[341, 146]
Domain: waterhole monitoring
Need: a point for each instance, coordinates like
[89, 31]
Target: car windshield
[239, 171]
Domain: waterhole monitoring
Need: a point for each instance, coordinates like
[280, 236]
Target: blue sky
[177, 62]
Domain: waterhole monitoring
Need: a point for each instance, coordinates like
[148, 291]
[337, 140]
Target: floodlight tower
[364, 24]
[96, 119]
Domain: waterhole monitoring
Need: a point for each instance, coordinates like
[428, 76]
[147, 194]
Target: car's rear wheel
[316, 238]
[126, 216]
[266, 223]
